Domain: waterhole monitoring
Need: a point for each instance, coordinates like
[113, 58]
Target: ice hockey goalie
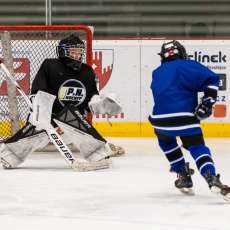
[72, 91]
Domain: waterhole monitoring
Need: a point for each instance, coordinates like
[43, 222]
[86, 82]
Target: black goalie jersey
[69, 86]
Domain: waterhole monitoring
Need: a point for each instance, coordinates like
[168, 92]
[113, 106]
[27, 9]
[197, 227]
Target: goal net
[23, 49]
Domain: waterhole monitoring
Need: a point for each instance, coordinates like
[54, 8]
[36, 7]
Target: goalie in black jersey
[74, 85]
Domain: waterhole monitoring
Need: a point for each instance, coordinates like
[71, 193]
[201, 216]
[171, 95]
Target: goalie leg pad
[8, 158]
[101, 153]
[14, 153]
[92, 151]
[87, 140]
[83, 141]
[106, 151]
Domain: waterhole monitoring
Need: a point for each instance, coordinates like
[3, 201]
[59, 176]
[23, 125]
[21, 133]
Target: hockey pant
[194, 144]
[27, 140]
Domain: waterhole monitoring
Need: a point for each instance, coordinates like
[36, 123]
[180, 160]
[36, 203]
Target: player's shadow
[196, 199]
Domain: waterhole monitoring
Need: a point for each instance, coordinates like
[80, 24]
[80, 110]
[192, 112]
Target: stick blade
[84, 166]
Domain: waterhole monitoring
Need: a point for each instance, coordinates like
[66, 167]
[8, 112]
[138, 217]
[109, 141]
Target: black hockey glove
[204, 109]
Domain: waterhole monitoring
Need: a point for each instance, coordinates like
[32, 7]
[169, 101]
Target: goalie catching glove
[105, 104]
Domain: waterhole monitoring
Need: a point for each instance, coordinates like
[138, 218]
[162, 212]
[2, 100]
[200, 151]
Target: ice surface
[137, 193]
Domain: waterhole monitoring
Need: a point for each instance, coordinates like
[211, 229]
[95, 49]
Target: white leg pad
[86, 143]
[13, 154]
[8, 158]
[100, 153]
[92, 151]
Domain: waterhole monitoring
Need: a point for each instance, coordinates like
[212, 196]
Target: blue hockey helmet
[172, 50]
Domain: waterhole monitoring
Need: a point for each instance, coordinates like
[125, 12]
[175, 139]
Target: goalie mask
[71, 51]
[172, 50]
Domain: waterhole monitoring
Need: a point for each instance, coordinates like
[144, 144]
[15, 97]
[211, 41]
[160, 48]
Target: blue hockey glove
[204, 109]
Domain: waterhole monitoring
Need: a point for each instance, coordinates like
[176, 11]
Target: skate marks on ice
[136, 193]
[123, 212]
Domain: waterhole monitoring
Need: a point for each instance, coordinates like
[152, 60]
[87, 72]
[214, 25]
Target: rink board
[137, 129]
[144, 129]
[124, 67]
[132, 62]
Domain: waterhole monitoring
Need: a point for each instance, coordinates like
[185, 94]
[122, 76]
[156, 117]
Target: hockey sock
[174, 154]
[202, 156]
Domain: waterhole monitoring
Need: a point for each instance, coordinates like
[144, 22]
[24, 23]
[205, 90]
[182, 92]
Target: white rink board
[125, 78]
[134, 61]
[124, 67]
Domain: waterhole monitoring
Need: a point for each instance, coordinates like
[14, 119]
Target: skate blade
[215, 189]
[91, 166]
[226, 197]
[187, 191]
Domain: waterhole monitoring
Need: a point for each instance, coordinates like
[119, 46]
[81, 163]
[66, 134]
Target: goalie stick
[78, 165]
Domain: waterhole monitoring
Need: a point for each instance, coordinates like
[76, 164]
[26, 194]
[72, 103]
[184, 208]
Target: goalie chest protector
[69, 86]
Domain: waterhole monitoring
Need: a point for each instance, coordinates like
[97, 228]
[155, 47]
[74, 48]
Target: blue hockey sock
[202, 156]
[174, 154]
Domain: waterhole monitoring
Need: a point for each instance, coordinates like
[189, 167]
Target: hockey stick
[80, 165]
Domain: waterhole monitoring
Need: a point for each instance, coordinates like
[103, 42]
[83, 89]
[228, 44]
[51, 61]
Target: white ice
[137, 193]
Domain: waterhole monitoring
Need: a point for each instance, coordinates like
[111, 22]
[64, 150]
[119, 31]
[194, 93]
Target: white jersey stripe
[213, 87]
[208, 163]
[203, 155]
[173, 115]
[171, 150]
[172, 162]
[178, 127]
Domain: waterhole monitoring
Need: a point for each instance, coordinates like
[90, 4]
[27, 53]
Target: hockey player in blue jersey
[176, 113]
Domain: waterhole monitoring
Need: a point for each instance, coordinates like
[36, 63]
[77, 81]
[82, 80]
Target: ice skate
[184, 182]
[216, 185]
[116, 150]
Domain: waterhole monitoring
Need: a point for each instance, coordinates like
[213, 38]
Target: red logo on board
[21, 73]
[103, 65]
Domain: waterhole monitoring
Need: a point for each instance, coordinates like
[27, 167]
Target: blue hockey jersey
[175, 86]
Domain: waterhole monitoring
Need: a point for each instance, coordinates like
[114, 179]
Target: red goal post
[23, 49]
